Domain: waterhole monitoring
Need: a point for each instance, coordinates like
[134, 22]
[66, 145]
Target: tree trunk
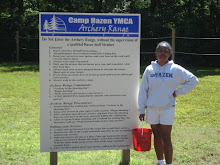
[20, 4]
[132, 6]
[153, 5]
[189, 8]
[97, 6]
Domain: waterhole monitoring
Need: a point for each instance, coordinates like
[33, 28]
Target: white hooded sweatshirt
[159, 82]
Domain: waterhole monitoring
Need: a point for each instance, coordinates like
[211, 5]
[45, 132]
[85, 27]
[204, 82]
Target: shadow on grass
[202, 72]
[197, 71]
[15, 67]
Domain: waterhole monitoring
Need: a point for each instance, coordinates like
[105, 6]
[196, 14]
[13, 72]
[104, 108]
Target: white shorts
[164, 116]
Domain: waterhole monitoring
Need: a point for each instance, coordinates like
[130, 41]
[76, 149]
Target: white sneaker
[161, 163]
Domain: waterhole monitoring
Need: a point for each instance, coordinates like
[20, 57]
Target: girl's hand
[174, 95]
[141, 117]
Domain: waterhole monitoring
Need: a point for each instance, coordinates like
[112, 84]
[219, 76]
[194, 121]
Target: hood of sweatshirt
[168, 63]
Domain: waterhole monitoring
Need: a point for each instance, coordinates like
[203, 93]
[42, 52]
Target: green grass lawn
[195, 134]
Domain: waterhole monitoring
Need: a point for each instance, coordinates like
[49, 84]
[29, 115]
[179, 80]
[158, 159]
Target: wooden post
[173, 42]
[53, 158]
[17, 46]
[125, 157]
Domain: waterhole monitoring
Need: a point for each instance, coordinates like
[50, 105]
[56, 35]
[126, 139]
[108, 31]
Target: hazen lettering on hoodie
[169, 75]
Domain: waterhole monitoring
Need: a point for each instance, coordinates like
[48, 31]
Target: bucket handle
[142, 128]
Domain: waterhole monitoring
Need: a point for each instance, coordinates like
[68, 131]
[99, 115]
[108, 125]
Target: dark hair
[169, 47]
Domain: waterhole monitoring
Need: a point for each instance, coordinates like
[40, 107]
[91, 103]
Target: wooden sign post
[53, 158]
[125, 157]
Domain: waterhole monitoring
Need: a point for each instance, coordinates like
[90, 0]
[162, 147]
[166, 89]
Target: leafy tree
[190, 18]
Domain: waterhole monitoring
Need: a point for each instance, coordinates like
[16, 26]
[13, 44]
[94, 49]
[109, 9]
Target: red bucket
[142, 142]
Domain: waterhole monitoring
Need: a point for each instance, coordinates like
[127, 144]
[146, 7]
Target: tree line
[190, 18]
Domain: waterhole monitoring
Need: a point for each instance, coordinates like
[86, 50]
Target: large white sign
[89, 79]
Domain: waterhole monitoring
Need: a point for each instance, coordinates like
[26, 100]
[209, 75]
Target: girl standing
[157, 94]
